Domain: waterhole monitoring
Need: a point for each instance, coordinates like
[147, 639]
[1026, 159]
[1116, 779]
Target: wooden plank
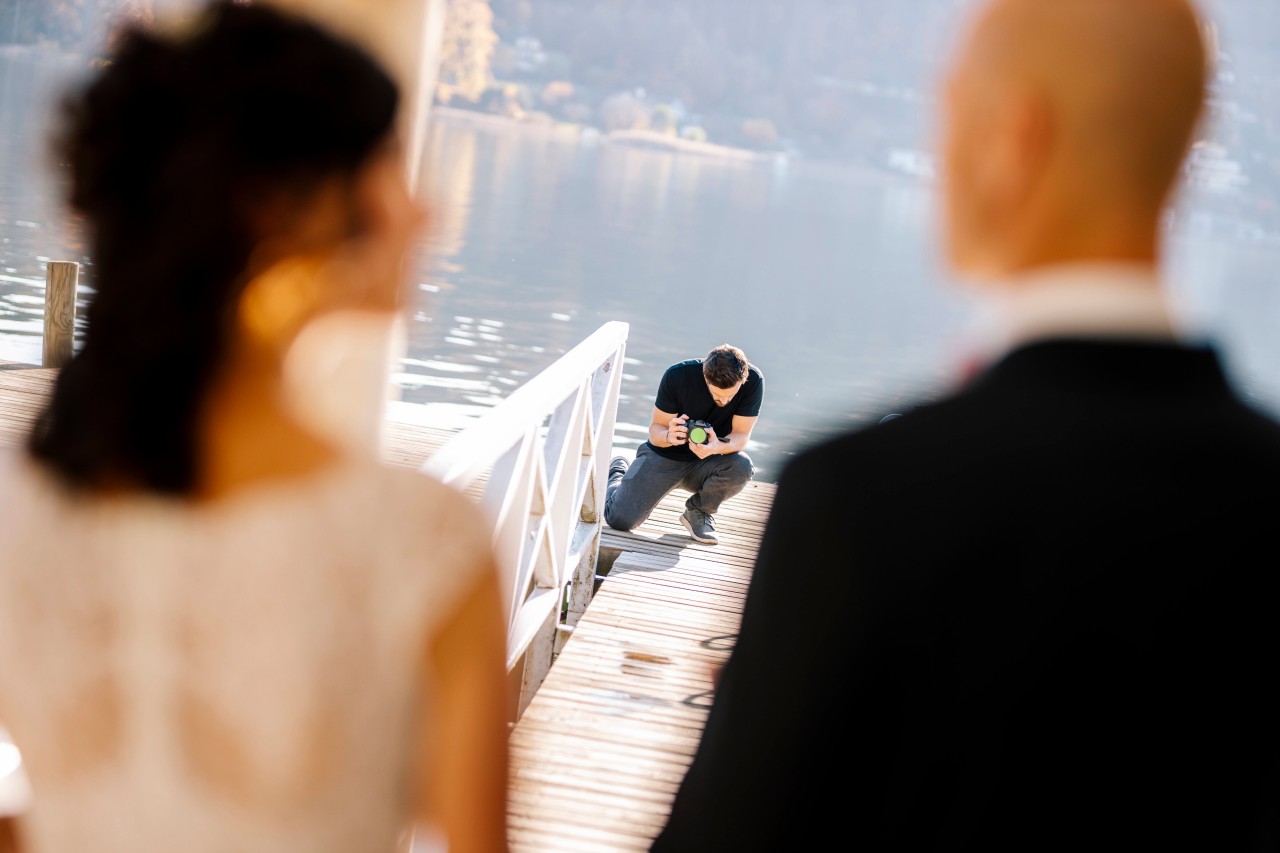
[606, 741]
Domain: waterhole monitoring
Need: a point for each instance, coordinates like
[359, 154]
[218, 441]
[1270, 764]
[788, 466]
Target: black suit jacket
[1038, 615]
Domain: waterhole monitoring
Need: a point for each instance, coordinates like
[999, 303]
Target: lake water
[825, 274]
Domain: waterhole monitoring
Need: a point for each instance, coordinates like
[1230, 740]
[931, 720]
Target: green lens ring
[698, 435]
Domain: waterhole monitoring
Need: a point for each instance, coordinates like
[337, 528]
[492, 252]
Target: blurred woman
[219, 630]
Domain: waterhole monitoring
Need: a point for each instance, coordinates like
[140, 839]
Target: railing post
[546, 448]
[61, 280]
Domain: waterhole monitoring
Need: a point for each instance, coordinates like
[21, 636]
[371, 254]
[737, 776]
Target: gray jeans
[630, 500]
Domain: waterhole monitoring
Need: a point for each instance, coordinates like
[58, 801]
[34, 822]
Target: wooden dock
[599, 751]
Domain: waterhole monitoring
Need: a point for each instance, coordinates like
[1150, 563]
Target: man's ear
[1020, 144]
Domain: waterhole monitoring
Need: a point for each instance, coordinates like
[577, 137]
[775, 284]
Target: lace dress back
[238, 676]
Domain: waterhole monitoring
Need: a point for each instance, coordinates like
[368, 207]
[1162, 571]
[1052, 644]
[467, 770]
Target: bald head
[1066, 124]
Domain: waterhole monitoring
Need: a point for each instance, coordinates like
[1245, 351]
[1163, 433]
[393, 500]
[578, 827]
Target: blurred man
[1037, 614]
[702, 420]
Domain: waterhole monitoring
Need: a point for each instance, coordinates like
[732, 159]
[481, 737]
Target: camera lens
[698, 435]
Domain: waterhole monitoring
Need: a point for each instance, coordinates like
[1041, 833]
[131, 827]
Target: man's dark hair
[725, 366]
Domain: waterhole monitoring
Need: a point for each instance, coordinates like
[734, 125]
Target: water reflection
[826, 274]
[33, 228]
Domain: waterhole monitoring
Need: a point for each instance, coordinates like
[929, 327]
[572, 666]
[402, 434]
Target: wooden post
[60, 312]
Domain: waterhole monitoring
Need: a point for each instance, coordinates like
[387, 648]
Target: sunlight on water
[826, 274]
[419, 380]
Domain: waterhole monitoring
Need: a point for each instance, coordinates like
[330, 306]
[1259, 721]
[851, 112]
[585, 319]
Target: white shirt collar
[1091, 300]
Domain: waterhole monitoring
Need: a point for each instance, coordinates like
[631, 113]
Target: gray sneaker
[701, 526]
[617, 469]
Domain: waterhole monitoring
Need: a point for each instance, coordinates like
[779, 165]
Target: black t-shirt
[683, 391]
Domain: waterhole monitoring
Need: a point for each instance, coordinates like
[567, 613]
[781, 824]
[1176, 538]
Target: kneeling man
[702, 420]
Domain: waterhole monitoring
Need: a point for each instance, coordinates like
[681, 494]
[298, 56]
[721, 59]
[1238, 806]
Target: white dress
[239, 676]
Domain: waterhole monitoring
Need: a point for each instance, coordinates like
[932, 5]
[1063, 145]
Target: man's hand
[677, 432]
[711, 448]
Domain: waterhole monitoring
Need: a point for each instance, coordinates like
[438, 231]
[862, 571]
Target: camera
[698, 432]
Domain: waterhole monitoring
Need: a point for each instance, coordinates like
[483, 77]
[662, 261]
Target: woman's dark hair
[164, 145]
[725, 366]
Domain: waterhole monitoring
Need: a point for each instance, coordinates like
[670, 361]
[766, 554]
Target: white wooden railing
[545, 451]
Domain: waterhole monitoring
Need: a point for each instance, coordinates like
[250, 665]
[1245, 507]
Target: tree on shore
[69, 24]
[467, 50]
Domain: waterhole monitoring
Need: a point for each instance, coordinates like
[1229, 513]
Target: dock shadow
[721, 643]
[701, 699]
[617, 562]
